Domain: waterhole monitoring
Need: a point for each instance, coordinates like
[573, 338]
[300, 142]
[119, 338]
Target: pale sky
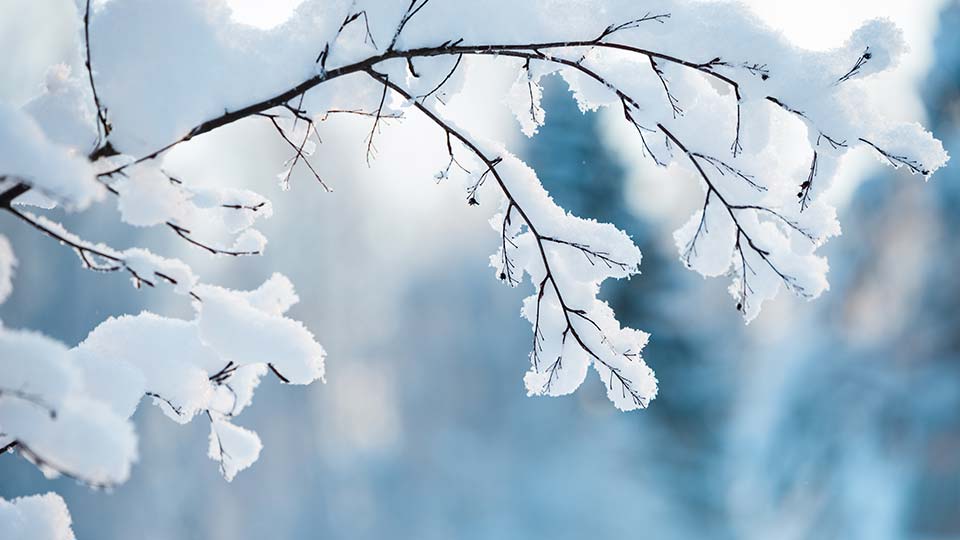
[261, 13]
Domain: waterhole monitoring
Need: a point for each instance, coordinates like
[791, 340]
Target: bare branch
[592, 255]
[412, 10]
[298, 152]
[724, 168]
[444, 80]
[674, 103]
[376, 123]
[635, 23]
[186, 235]
[103, 125]
[366, 25]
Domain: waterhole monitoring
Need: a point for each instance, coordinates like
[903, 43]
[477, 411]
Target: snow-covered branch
[705, 89]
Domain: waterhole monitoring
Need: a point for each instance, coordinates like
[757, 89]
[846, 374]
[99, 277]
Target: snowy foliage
[68, 410]
[39, 517]
[706, 87]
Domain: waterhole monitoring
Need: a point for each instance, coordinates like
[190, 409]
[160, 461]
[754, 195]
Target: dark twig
[186, 235]
[376, 124]
[412, 10]
[298, 153]
[807, 185]
[223, 453]
[8, 196]
[103, 124]
[444, 80]
[569, 313]
[861, 61]
[279, 375]
[765, 255]
[592, 255]
[614, 28]
[176, 409]
[898, 160]
[48, 463]
[366, 25]
[34, 399]
[92, 257]
[674, 103]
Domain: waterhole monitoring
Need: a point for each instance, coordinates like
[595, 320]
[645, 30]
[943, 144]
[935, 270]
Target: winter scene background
[832, 418]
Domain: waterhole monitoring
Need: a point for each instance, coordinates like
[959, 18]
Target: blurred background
[836, 419]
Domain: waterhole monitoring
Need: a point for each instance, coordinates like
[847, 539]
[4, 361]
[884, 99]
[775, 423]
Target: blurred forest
[838, 419]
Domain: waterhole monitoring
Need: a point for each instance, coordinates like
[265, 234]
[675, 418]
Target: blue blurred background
[833, 419]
